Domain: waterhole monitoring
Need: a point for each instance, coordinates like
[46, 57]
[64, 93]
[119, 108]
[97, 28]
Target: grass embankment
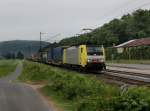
[130, 61]
[74, 92]
[7, 66]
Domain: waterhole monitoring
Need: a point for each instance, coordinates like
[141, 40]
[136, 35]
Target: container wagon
[55, 55]
[50, 55]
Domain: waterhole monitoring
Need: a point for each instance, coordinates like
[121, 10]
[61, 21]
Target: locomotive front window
[94, 51]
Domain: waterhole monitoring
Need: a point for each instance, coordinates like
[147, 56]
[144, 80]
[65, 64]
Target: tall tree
[20, 55]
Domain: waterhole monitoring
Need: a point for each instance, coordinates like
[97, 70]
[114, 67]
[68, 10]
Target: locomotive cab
[95, 58]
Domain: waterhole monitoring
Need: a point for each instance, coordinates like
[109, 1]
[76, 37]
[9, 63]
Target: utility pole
[41, 44]
[40, 41]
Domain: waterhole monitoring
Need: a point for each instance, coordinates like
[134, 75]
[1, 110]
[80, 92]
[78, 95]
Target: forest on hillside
[10, 49]
[130, 26]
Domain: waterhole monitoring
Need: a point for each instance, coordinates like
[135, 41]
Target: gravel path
[19, 97]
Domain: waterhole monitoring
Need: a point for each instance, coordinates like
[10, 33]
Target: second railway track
[126, 77]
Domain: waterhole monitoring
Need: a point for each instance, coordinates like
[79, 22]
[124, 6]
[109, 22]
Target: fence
[130, 53]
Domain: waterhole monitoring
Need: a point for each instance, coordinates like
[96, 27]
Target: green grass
[7, 66]
[65, 86]
[72, 91]
[58, 100]
[130, 61]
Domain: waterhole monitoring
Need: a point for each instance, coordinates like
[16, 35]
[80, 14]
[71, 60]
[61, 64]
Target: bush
[135, 99]
[34, 72]
[89, 93]
[77, 86]
[95, 104]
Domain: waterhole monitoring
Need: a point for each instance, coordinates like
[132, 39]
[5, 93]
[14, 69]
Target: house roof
[135, 42]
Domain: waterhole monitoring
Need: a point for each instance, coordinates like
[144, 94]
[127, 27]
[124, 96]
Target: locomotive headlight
[101, 59]
[89, 60]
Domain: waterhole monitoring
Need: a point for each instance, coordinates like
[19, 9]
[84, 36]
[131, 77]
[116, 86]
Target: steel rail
[127, 77]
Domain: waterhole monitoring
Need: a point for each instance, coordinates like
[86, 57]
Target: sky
[25, 19]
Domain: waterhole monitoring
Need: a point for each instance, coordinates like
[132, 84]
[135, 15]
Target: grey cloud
[24, 19]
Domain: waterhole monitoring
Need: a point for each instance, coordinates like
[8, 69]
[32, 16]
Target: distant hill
[25, 46]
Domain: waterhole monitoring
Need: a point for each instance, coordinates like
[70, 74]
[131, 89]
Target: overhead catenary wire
[52, 37]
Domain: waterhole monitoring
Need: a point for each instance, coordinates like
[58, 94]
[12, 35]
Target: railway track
[126, 77]
[118, 77]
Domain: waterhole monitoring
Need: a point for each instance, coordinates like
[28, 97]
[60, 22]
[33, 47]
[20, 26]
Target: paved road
[19, 97]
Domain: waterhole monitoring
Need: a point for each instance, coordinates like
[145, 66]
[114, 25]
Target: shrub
[33, 72]
[89, 93]
[135, 99]
[96, 103]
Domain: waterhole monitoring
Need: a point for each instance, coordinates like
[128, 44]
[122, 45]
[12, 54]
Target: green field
[72, 91]
[7, 66]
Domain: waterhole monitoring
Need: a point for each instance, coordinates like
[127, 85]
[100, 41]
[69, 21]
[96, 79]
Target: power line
[54, 36]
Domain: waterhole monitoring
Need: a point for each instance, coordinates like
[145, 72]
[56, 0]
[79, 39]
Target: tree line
[9, 55]
[129, 26]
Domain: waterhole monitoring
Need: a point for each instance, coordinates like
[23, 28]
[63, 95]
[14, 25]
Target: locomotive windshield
[94, 51]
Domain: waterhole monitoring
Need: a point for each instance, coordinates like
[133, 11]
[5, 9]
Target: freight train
[83, 57]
